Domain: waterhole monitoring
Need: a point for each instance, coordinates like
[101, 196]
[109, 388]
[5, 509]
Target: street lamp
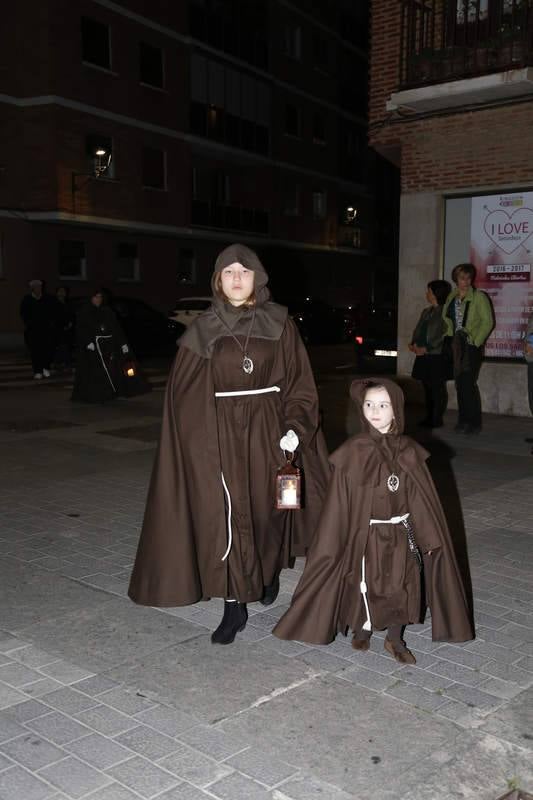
[101, 162]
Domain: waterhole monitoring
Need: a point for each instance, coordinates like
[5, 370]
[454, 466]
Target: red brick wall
[456, 150]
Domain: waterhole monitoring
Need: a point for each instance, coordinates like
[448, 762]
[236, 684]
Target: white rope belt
[97, 341]
[391, 521]
[248, 391]
[367, 626]
[230, 531]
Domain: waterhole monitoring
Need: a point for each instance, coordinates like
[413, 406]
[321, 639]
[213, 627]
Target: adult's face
[237, 283]
[430, 297]
[464, 282]
[377, 409]
[97, 299]
[37, 290]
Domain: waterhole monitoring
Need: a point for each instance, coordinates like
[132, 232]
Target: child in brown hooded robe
[381, 523]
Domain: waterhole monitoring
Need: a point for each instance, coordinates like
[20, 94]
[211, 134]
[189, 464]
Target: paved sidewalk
[104, 700]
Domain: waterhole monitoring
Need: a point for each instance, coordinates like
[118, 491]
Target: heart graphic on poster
[509, 231]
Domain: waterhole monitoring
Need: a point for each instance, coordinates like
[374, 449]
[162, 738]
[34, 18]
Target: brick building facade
[225, 120]
[451, 103]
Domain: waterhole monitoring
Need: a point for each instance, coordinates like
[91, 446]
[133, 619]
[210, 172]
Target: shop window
[151, 70]
[154, 168]
[127, 266]
[72, 260]
[95, 43]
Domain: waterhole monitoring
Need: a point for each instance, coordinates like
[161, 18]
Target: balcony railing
[208, 214]
[447, 40]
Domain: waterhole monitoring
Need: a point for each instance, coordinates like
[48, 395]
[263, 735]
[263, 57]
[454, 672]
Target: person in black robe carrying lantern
[105, 366]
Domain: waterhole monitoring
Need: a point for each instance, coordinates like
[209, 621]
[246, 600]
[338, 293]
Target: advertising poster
[501, 249]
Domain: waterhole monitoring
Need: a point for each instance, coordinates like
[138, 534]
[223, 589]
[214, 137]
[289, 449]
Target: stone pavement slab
[129, 702]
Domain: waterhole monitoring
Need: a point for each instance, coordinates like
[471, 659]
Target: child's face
[377, 409]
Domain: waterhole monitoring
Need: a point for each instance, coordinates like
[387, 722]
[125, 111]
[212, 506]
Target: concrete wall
[421, 222]
[503, 386]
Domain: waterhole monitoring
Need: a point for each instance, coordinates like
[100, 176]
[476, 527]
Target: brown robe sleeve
[300, 399]
[312, 616]
[451, 618]
[184, 518]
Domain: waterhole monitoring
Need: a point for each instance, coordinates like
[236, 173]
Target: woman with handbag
[469, 319]
[240, 394]
[432, 366]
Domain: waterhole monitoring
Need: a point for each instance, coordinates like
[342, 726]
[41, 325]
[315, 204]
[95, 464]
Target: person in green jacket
[469, 319]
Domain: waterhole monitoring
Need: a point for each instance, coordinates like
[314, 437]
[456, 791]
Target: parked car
[188, 308]
[320, 323]
[147, 330]
[376, 341]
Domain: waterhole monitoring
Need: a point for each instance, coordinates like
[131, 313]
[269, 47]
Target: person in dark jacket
[212, 526]
[104, 366]
[382, 538]
[37, 310]
[431, 366]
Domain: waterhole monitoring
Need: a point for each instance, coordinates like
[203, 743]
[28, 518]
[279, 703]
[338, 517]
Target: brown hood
[358, 390]
[240, 254]
[267, 319]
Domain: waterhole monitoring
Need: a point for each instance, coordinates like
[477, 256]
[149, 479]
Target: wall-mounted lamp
[100, 159]
[351, 214]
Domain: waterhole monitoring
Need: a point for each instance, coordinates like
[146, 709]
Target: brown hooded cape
[185, 532]
[328, 598]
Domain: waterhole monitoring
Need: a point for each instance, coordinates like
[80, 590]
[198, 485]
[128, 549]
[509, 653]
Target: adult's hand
[289, 442]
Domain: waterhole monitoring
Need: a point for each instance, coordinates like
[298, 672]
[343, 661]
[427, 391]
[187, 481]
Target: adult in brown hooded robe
[240, 380]
[363, 569]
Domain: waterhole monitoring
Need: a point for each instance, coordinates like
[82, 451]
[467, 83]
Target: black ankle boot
[234, 620]
[270, 592]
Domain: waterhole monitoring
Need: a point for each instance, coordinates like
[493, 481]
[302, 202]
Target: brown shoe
[361, 644]
[399, 651]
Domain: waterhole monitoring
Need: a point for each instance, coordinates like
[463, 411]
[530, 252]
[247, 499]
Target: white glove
[125, 349]
[91, 346]
[289, 442]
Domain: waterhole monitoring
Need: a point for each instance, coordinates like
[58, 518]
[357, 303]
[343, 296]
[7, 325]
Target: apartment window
[72, 260]
[99, 151]
[320, 52]
[154, 168]
[187, 266]
[293, 42]
[319, 128]
[127, 262]
[319, 205]
[293, 121]
[292, 201]
[151, 69]
[95, 43]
